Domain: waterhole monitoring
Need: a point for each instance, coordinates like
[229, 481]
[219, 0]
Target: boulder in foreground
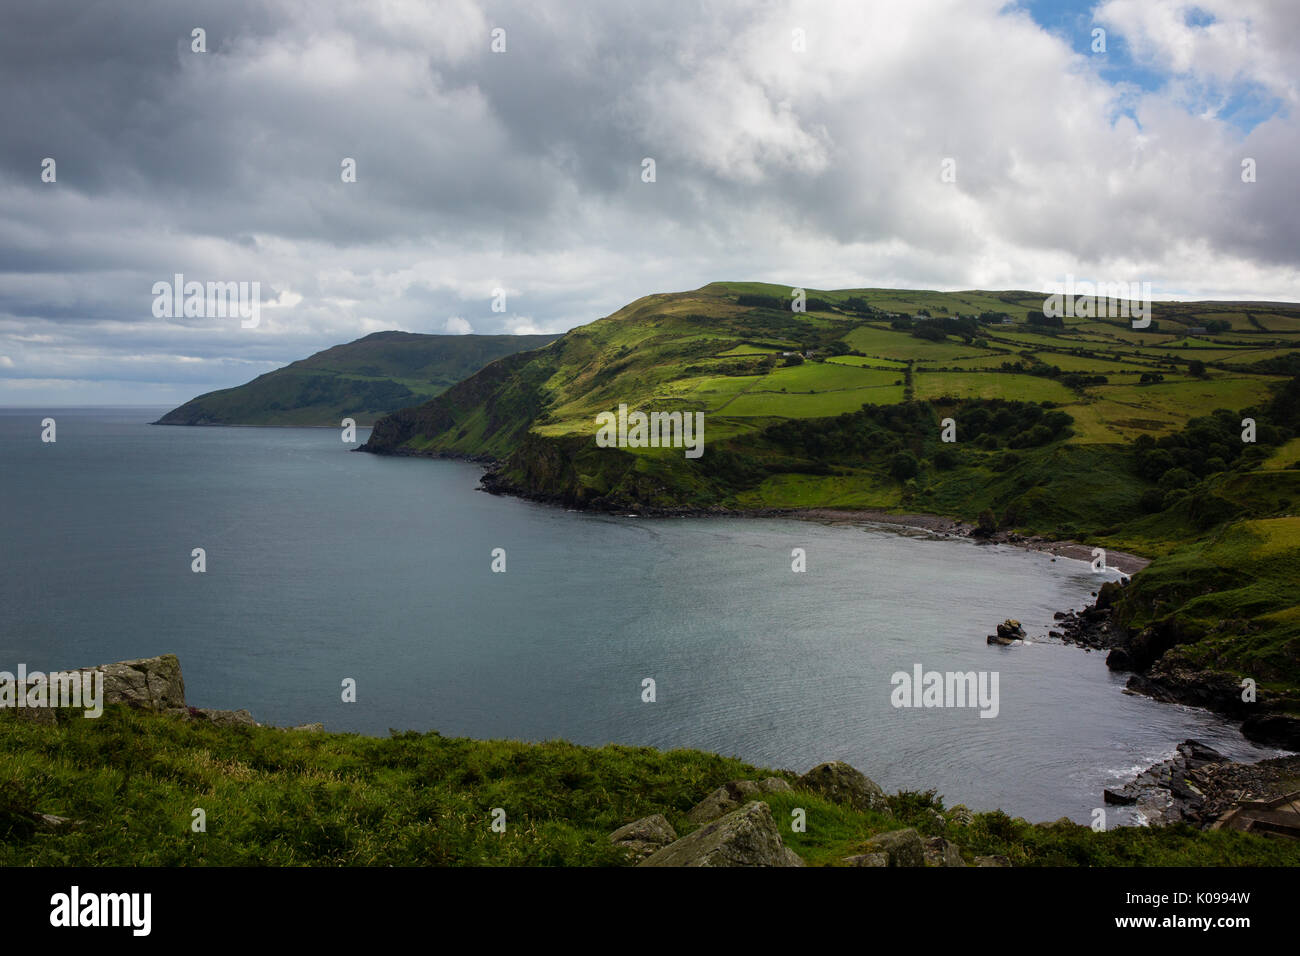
[645, 836]
[154, 683]
[840, 783]
[744, 837]
[732, 795]
[900, 847]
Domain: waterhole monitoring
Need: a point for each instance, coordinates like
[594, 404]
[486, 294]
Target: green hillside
[363, 380]
[1088, 429]
[127, 785]
[725, 350]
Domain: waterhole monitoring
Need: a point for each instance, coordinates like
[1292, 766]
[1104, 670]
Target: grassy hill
[131, 781]
[362, 380]
[1092, 431]
[725, 350]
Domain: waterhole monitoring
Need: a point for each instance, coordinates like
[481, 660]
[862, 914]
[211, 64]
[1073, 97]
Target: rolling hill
[1086, 429]
[760, 374]
[363, 380]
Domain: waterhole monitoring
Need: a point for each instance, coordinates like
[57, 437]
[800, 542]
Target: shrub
[904, 465]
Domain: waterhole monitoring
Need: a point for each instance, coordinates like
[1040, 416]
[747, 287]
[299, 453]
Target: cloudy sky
[793, 142]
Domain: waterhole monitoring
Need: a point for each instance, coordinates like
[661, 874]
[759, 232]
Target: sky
[801, 143]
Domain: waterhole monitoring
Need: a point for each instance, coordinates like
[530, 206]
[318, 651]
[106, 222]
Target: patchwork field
[733, 351]
[1022, 388]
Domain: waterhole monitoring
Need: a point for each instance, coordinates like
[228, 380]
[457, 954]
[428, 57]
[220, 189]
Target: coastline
[1123, 561]
[244, 424]
[1119, 560]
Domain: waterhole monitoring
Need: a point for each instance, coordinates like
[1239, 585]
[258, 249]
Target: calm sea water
[324, 564]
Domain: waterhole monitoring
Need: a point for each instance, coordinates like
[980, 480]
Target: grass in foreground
[293, 798]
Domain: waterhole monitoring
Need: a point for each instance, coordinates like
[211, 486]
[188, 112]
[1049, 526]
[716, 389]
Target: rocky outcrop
[1176, 683]
[744, 837]
[731, 795]
[1273, 730]
[905, 848]
[1264, 720]
[643, 837]
[1198, 785]
[939, 852]
[867, 859]
[1162, 676]
[900, 847]
[1168, 792]
[1092, 628]
[154, 683]
[840, 783]
[960, 815]
[224, 718]
[150, 683]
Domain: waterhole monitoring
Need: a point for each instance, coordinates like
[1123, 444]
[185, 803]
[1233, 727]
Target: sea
[330, 574]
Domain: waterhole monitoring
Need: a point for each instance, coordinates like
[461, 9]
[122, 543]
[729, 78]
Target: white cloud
[1246, 40]
[522, 170]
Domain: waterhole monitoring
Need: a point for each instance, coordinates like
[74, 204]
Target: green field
[815, 404]
[866, 361]
[888, 343]
[1181, 399]
[1024, 388]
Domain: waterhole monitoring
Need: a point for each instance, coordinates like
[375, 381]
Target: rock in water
[744, 837]
[1010, 628]
[839, 782]
[645, 836]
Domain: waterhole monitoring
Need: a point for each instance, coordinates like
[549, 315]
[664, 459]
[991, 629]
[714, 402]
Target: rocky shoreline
[494, 483]
[1142, 655]
[1201, 787]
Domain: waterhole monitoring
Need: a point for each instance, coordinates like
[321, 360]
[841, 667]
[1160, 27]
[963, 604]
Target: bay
[325, 564]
